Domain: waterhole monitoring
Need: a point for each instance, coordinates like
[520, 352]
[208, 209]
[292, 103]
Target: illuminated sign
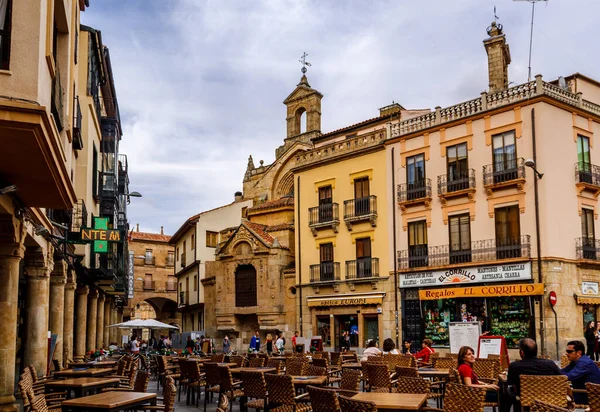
[101, 234]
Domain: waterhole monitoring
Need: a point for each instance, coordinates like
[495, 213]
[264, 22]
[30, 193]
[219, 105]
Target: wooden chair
[296, 366]
[140, 384]
[539, 406]
[463, 398]
[312, 370]
[593, 391]
[321, 362]
[323, 400]
[258, 362]
[353, 405]
[549, 389]
[274, 363]
[379, 377]
[35, 377]
[282, 395]
[444, 363]
[213, 381]
[255, 389]
[28, 394]
[375, 359]
[230, 388]
[217, 357]
[407, 371]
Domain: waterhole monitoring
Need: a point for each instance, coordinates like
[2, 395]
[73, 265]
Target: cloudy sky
[200, 83]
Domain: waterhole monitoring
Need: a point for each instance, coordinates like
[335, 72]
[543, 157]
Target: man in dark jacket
[582, 369]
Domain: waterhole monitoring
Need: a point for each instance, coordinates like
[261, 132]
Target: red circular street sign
[552, 298]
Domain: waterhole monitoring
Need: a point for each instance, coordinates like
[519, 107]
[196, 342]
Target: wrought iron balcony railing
[587, 173]
[149, 284]
[456, 182]
[361, 208]
[587, 248]
[325, 272]
[362, 268]
[480, 251]
[77, 140]
[420, 189]
[506, 171]
[326, 214]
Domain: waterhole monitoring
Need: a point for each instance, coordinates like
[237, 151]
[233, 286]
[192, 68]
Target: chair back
[549, 389]
[413, 385]
[26, 388]
[487, 368]
[407, 371]
[56, 365]
[412, 361]
[238, 360]
[274, 363]
[463, 398]
[375, 358]
[132, 374]
[312, 370]
[539, 406]
[255, 385]
[444, 363]
[226, 379]
[296, 366]
[336, 358]
[350, 379]
[213, 378]
[34, 374]
[317, 355]
[258, 362]
[281, 389]
[378, 375]
[353, 405]
[323, 400]
[454, 376]
[455, 355]
[392, 361]
[217, 357]
[141, 381]
[169, 394]
[564, 361]
[593, 392]
[122, 363]
[321, 362]
[39, 404]
[223, 403]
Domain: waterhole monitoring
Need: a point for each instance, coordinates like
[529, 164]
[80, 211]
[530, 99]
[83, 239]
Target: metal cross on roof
[495, 16]
[304, 62]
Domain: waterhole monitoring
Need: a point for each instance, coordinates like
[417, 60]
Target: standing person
[269, 344]
[189, 345]
[279, 345]
[371, 350]
[226, 344]
[255, 342]
[343, 341]
[295, 341]
[347, 342]
[424, 354]
[466, 359]
[590, 339]
[580, 370]
[389, 347]
[135, 348]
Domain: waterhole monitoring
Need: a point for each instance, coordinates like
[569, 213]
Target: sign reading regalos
[481, 274]
[529, 289]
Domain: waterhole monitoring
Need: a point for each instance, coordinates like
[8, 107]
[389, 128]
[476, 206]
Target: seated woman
[424, 354]
[370, 351]
[390, 347]
[466, 359]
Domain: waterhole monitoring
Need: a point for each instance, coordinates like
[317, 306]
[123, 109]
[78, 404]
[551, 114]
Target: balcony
[359, 210]
[171, 286]
[324, 216]
[77, 140]
[184, 298]
[362, 268]
[504, 174]
[170, 261]
[455, 185]
[587, 177]
[587, 248]
[481, 251]
[418, 192]
[56, 104]
[183, 260]
[325, 272]
[149, 285]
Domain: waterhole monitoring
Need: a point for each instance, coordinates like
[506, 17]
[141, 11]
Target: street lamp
[531, 164]
[132, 194]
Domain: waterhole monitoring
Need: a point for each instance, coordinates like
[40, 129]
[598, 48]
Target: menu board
[489, 346]
[464, 334]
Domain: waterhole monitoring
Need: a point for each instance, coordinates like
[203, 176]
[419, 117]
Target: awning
[587, 299]
[526, 289]
[346, 300]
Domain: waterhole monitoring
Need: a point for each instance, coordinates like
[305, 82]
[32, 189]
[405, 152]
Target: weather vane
[304, 62]
[495, 16]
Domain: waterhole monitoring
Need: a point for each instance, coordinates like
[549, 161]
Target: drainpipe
[299, 248]
[395, 251]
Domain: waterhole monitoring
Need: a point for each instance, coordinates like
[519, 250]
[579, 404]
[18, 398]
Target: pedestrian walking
[590, 339]
[269, 344]
[226, 344]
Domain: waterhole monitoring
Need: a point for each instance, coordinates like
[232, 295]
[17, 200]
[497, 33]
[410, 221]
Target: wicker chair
[392, 361]
[353, 405]
[39, 405]
[213, 381]
[255, 388]
[312, 370]
[336, 359]
[539, 406]
[419, 385]
[170, 394]
[223, 404]
[140, 384]
[192, 380]
[350, 380]
[323, 400]
[452, 355]
[239, 360]
[274, 363]
[322, 362]
[487, 370]
[296, 366]
[379, 377]
[217, 357]
[375, 359]
[564, 361]
[593, 391]
[282, 395]
[232, 389]
[463, 398]
[258, 362]
[549, 389]
[28, 394]
[407, 371]
[444, 363]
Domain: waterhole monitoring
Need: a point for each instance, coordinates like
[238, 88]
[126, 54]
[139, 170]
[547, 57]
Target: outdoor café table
[93, 364]
[82, 373]
[82, 386]
[434, 373]
[394, 401]
[352, 365]
[264, 369]
[309, 380]
[278, 358]
[109, 401]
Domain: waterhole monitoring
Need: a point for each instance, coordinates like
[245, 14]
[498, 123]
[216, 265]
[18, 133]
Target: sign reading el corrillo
[458, 276]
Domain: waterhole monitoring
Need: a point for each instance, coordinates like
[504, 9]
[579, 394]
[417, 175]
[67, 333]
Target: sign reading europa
[482, 274]
[529, 289]
[101, 234]
[349, 301]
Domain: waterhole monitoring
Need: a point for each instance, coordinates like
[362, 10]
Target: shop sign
[528, 289]
[130, 275]
[589, 288]
[346, 301]
[483, 274]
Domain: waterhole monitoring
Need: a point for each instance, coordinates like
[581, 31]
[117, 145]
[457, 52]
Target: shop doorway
[589, 315]
[346, 323]
[371, 329]
[323, 330]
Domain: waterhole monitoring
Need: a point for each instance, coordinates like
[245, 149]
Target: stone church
[251, 283]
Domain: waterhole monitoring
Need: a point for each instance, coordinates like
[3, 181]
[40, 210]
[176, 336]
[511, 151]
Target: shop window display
[438, 314]
[324, 330]
[511, 318]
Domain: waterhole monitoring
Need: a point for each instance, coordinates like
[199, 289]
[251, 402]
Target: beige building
[466, 207]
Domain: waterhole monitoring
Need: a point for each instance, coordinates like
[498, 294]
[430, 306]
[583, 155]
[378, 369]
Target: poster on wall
[589, 288]
[463, 334]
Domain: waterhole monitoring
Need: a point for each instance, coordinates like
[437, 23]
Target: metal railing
[324, 214]
[587, 248]
[480, 251]
[454, 182]
[500, 172]
[171, 286]
[587, 173]
[77, 140]
[420, 189]
[325, 272]
[363, 207]
[149, 284]
[362, 268]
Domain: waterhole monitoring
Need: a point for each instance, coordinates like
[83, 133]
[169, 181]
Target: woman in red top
[424, 354]
[466, 359]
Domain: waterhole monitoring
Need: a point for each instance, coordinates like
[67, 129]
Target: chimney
[137, 227]
[162, 232]
[390, 109]
[498, 58]
[238, 196]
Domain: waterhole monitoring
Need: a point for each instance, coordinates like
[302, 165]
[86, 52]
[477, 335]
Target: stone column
[58, 279]
[100, 323]
[91, 320]
[107, 322]
[11, 253]
[68, 320]
[80, 325]
[37, 272]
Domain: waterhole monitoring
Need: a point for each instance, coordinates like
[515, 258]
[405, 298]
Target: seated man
[529, 364]
[581, 369]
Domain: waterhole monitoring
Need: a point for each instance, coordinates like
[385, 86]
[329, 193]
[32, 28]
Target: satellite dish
[562, 83]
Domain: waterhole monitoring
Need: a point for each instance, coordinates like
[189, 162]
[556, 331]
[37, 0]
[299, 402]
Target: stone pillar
[80, 325]
[11, 253]
[112, 334]
[68, 320]
[58, 279]
[100, 323]
[91, 320]
[37, 271]
[107, 322]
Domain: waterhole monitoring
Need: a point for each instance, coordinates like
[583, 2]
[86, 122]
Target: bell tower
[303, 100]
